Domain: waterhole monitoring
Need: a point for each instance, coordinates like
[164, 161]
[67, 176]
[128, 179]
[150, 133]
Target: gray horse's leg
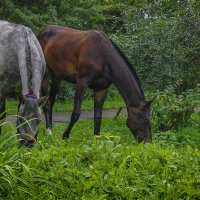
[99, 98]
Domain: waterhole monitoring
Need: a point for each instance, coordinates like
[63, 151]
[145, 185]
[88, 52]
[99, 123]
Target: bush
[67, 91]
[172, 111]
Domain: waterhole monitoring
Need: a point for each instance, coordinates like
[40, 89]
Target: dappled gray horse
[22, 66]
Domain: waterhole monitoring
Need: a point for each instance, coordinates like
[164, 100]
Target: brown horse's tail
[41, 39]
[44, 35]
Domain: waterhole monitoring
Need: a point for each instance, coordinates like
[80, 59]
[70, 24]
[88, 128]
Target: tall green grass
[17, 179]
[111, 166]
[12, 167]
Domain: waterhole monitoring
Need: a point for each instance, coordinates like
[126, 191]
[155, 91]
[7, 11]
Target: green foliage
[17, 179]
[181, 138]
[165, 52]
[67, 90]
[161, 38]
[172, 112]
[110, 166]
[78, 14]
[12, 168]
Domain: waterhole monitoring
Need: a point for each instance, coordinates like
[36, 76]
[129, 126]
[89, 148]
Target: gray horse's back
[22, 62]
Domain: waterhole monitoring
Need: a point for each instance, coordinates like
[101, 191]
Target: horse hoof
[48, 131]
[65, 136]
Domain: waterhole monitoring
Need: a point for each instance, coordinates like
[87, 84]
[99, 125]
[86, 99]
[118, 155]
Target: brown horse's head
[139, 122]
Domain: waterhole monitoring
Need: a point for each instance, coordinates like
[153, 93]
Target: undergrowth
[110, 166]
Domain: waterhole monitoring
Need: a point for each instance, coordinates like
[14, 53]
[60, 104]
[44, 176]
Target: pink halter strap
[31, 95]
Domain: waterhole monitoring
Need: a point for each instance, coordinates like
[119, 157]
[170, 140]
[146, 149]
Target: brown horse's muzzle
[141, 137]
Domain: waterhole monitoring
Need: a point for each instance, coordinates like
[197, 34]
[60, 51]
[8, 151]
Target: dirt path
[65, 116]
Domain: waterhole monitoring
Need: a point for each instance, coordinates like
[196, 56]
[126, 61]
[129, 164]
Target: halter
[31, 95]
[27, 142]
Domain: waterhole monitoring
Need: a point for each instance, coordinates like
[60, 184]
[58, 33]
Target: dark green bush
[173, 112]
[66, 92]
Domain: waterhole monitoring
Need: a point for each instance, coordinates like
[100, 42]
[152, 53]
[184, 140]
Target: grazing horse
[22, 66]
[91, 59]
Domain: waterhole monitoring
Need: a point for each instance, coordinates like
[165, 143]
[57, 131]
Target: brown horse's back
[73, 54]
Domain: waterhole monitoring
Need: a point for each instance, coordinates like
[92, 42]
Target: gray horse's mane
[28, 57]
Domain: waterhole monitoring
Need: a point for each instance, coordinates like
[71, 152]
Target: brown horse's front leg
[55, 85]
[47, 108]
[81, 87]
[99, 98]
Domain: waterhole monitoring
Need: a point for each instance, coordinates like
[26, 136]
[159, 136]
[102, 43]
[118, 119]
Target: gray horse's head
[28, 119]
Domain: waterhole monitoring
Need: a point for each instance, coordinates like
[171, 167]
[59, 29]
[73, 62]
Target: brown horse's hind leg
[99, 98]
[81, 87]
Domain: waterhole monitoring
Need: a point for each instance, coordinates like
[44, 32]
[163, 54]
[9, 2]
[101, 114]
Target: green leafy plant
[172, 111]
[16, 178]
[11, 167]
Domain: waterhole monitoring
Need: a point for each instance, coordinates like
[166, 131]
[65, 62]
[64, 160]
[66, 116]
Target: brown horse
[91, 59]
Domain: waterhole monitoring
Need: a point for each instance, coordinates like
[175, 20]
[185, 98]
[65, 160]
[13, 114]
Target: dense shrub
[173, 112]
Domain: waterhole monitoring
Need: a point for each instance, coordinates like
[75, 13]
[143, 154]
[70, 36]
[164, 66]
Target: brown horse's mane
[130, 66]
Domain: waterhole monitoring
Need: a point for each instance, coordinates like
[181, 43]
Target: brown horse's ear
[21, 98]
[148, 103]
[41, 101]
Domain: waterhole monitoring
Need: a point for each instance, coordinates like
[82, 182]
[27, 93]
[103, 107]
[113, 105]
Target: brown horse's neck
[128, 88]
[127, 81]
